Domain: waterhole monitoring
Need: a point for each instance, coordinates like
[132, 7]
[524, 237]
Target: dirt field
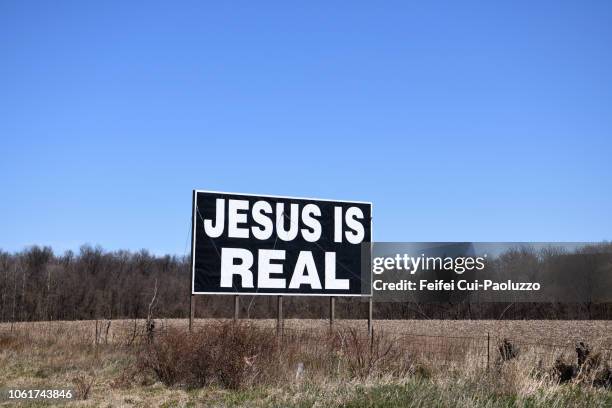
[565, 332]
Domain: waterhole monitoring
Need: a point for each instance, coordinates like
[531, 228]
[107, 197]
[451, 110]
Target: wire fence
[484, 350]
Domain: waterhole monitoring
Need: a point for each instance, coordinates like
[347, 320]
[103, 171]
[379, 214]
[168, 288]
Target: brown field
[555, 331]
[104, 356]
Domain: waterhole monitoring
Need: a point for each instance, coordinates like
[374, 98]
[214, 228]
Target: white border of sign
[193, 246]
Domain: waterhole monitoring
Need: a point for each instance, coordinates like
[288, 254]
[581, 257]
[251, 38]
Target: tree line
[37, 285]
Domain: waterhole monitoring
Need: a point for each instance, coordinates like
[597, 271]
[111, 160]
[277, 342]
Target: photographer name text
[451, 285]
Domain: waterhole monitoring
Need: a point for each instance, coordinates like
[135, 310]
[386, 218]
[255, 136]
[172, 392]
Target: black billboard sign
[271, 245]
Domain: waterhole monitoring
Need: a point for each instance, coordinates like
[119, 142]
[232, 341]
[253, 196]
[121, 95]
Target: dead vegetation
[590, 368]
[226, 355]
[82, 384]
[233, 364]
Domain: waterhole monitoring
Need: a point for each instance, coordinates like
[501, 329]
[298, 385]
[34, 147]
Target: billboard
[274, 245]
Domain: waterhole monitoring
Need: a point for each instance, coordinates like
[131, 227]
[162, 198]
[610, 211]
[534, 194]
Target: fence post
[191, 311]
[279, 317]
[236, 308]
[370, 316]
[332, 303]
[488, 350]
[96, 339]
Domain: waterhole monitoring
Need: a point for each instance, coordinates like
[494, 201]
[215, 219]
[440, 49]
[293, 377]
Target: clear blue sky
[484, 121]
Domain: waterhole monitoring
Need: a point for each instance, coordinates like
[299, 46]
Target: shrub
[563, 372]
[13, 341]
[82, 385]
[591, 368]
[229, 355]
[507, 350]
[364, 354]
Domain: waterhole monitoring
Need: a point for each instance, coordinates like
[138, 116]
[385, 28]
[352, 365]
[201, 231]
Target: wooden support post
[372, 342]
[191, 311]
[370, 316]
[488, 350]
[279, 317]
[332, 304]
[191, 297]
[236, 308]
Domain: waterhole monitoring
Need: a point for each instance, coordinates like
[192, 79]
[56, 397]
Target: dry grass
[409, 363]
